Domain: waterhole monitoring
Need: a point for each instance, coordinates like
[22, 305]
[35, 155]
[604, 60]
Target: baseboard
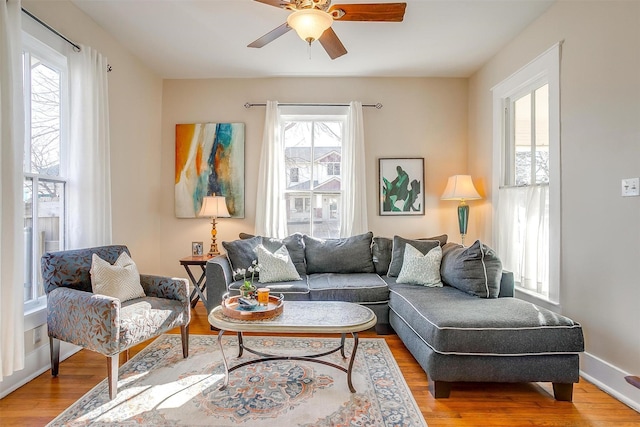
[609, 379]
[35, 363]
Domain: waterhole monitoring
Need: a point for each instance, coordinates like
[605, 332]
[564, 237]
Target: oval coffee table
[318, 317]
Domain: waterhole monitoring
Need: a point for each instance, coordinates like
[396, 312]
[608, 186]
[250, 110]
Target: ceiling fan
[312, 20]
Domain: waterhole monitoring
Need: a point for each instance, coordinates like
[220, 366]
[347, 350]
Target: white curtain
[353, 213]
[523, 235]
[11, 203]
[89, 201]
[271, 214]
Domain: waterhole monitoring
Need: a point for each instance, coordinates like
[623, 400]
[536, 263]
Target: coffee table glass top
[303, 316]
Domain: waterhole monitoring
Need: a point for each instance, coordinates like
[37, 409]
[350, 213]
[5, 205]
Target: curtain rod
[287, 104]
[76, 47]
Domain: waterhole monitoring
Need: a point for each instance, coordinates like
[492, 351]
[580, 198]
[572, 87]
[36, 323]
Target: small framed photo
[401, 186]
[196, 249]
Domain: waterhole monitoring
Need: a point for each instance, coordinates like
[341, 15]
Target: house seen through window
[313, 152]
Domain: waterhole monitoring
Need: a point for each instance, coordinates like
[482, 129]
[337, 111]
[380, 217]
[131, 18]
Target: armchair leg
[112, 373]
[184, 333]
[54, 350]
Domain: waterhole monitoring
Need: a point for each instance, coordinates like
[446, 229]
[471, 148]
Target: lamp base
[463, 219]
[213, 250]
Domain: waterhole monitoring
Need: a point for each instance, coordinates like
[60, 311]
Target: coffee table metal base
[265, 357]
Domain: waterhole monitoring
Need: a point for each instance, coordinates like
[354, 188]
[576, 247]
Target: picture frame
[197, 249]
[401, 186]
[209, 161]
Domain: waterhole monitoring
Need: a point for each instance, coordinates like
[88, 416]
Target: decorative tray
[232, 308]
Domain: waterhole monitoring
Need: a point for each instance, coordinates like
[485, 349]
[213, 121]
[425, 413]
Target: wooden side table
[198, 285]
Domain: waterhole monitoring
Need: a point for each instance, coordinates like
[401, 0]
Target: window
[45, 99]
[333, 168]
[527, 147]
[295, 175]
[313, 148]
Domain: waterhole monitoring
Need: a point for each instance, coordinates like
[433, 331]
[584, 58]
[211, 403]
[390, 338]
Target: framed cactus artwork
[401, 186]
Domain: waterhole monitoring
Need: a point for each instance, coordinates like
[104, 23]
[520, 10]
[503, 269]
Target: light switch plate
[630, 187]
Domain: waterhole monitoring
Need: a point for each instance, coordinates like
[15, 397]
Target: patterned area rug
[158, 387]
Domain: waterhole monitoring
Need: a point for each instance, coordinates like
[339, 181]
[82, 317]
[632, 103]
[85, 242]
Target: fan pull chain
[309, 50]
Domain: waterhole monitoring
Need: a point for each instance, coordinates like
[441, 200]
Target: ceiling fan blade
[381, 12]
[271, 36]
[277, 3]
[332, 44]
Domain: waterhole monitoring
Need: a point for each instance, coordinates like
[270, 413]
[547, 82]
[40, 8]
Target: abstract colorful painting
[209, 160]
[401, 186]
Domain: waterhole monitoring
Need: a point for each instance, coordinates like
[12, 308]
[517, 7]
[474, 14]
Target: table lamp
[460, 187]
[214, 207]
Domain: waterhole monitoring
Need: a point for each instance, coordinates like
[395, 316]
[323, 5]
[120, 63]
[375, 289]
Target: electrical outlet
[630, 187]
[37, 335]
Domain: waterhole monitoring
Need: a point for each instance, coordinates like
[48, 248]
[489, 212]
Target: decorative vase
[248, 292]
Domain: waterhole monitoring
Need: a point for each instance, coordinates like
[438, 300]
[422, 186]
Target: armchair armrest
[218, 278]
[85, 319]
[165, 287]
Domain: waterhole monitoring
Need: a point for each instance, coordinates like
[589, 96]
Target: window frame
[543, 69]
[52, 56]
[314, 114]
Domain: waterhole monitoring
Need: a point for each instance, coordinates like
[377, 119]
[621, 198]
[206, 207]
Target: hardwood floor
[42, 399]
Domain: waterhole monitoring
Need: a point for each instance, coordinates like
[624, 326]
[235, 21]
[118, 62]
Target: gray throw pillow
[347, 255]
[295, 246]
[381, 252]
[397, 255]
[476, 270]
[383, 247]
[241, 253]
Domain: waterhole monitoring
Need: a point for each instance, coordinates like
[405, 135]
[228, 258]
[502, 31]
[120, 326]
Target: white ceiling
[185, 39]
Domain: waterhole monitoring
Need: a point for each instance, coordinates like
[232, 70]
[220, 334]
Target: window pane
[45, 119]
[326, 218]
[522, 140]
[542, 134]
[298, 213]
[297, 141]
[28, 239]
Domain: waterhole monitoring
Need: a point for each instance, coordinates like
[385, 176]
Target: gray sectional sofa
[470, 329]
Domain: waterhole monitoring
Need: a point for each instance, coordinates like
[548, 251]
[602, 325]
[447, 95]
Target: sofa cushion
[359, 287]
[397, 255]
[453, 322]
[421, 269]
[276, 266]
[476, 270]
[383, 247]
[295, 247]
[298, 287]
[347, 255]
[241, 253]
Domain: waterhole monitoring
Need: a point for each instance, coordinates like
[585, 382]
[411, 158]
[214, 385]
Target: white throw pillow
[419, 269]
[120, 280]
[276, 266]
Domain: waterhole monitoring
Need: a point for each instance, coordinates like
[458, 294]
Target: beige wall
[421, 117]
[600, 145]
[135, 100]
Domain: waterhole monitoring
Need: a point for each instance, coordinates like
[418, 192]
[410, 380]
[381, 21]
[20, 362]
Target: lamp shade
[460, 187]
[309, 23]
[214, 207]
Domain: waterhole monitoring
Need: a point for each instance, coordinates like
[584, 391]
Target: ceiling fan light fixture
[309, 23]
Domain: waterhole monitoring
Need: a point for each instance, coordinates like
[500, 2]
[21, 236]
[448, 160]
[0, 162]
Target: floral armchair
[101, 323]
